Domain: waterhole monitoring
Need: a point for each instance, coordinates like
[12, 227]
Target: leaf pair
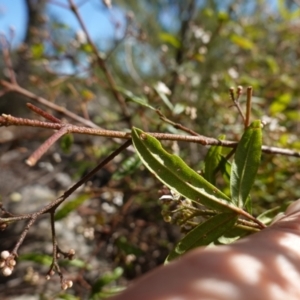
[245, 164]
[243, 168]
[174, 173]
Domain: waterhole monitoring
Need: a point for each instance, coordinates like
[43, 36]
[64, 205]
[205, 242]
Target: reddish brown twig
[176, 125]
[11, 87]
[248, 106]
[43, 113]
[7, 120]
[7, 59]
[38, 153]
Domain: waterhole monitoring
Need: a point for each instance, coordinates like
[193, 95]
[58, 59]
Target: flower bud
[5, 254]
[7, 271]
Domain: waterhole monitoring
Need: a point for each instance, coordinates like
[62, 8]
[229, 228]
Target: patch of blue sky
[12, 16]
[97, 18]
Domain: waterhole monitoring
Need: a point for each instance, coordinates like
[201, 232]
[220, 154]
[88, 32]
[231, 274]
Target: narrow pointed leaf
[164, 98]
[128, 167]
[225, 168]
[70, 206]
[204, 234]
[267, 216]
[173, 172]
[133, 98]
[248, 205]
[212, 160]
[245, 164]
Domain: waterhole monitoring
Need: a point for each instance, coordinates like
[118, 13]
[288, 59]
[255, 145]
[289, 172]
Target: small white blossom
[233, 73]
[7, 271]
[5, 254]
[81, 37]
[162, 88]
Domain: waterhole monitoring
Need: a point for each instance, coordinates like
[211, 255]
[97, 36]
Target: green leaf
[65, 296]
[283, 11]
[46, 260]
[41, 259]
[204, 234]
[245, 164]
[267, 216]
[66, 143]
[78, 263]
[127, 247]
[37, 50]
[225, 168]
[163, 97]
[105, 279]
[272, 63]
[70, 206]
[212, 160]
[280, 104]
[179, 108]
[248, 205]
[132, 98]
[173, 172]
[232, 234]
[87, 48]
[223, 16]
[170, 39]
[242, 42]
[129, 166]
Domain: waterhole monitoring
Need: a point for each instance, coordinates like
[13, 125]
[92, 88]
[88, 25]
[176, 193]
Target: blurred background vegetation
[179, 56]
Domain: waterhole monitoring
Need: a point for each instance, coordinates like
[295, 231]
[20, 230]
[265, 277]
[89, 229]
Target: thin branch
[235, 99]
[51, 207]
[54, 264]
[7, 120]
[248, 106]
[36, 155]
[56, 251]
[7, 59]
[176, 125]
[10, 87]
[187, 17]
[43, 113]
[32, 219]
[100, 60]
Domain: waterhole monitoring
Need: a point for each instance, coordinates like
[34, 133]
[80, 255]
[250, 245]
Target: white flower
[162, 88]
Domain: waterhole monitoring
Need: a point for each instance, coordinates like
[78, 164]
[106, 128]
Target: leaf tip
[257, 124]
